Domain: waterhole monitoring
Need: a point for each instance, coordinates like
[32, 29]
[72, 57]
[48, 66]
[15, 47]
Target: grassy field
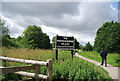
[65, 68]
[112, 58]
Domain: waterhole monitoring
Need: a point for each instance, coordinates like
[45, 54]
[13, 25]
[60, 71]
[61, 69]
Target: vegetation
[5, 39]
[53, 42]
[33, 37]
[77, 44]
[108, 37]
[88, 47]
[32, 43]
[65, 68]
[112, 58]
[4, 29]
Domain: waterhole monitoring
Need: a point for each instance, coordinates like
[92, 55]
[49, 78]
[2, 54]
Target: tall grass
[65, 68]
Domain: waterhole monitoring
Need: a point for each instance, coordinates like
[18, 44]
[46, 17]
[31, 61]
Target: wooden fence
[35, 65]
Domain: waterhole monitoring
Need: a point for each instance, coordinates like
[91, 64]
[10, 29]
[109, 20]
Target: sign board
[64, 42]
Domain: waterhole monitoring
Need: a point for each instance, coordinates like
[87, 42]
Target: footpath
[113, 71]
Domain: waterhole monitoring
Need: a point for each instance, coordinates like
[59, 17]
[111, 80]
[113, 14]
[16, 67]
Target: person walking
[103, 54]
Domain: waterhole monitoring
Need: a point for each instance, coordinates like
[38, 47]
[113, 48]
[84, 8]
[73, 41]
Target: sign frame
[68, 42]
[65, 42]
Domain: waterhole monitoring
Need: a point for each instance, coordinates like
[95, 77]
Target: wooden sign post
[56, 54]
[72, 52]
[64, 43]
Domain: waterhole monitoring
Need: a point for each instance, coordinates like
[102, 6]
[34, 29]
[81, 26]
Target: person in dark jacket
[103, 54]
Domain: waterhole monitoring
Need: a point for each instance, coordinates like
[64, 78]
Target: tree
[33, 37]
[76, 44]
[88, 47]
[108, 37]
[5, 39]
[53, 42]
[81, 46]
[8, 42]
[4, 29]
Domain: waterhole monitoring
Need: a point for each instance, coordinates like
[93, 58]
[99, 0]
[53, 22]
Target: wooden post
[49, 70]
[56, 54]
[56, 50]
[4, 63]
[72, 52]
[37, 71]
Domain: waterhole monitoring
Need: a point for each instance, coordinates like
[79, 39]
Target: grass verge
[112, 58]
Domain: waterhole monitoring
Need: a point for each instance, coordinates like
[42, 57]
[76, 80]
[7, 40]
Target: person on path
[103, 54]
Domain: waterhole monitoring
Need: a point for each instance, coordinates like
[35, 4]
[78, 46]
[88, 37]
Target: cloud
[80, 19]
[39, 9]
[60, 0]
[14, 29]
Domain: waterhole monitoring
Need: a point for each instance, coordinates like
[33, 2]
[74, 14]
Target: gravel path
[113, 71]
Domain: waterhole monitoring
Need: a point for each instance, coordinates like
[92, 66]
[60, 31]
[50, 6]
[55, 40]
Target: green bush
[77, 69]
[11, 76]
[8, 42]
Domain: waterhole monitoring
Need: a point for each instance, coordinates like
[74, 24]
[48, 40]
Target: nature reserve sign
[64, 42]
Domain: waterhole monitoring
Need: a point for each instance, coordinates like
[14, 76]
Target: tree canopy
[33, 37]
[108, 37]
[4, 29]
[88, 47]
[76, 44]
[5, 39]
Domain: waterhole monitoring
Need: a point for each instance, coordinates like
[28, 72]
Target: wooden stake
[49, 70]
[72, 52]
[56, 54]
[37, 71]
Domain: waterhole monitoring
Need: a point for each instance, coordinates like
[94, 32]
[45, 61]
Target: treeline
[107, 37]
[33, 37]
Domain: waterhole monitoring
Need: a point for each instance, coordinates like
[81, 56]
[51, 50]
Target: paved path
[113, 71]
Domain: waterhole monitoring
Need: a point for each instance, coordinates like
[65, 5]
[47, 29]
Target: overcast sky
[78, 19]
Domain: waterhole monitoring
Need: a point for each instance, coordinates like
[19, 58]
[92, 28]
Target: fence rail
[21, 69]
